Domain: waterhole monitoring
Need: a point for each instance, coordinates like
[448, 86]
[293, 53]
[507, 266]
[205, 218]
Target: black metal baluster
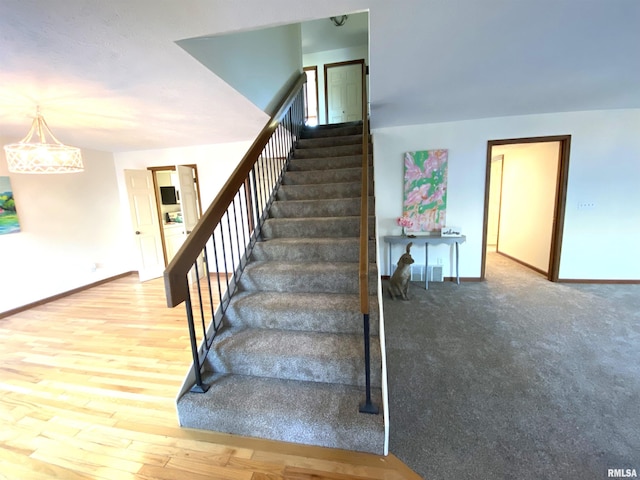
[235, 223]
[204, 330]
[208, 272]
[199, 387]
[245, 226]
[257, 228]
[224, 259]
[260, 186]
[367, 406]
[215, 257]
[233, 264]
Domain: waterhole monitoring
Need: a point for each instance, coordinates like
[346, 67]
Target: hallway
[515, 377]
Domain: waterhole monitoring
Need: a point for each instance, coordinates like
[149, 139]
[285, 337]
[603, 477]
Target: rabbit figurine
[399, 281]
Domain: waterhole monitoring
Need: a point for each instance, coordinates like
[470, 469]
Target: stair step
[309, 413]
[329, 312]
[317, 177]
[329, 141]
[318, 208]
[314, 227]
[294, 355]
[305, 277]
[288, 361]
[345, 249]
[319, 191]
[333, 130]
[327, 163]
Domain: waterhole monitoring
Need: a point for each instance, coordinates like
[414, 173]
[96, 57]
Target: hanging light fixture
[339, 21]
[48, 155]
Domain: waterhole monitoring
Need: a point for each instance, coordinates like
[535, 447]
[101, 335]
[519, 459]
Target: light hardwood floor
[87, 391]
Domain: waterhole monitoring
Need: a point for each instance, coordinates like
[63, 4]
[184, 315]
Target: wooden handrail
[175, 283]
[364, 205]
[368, 406]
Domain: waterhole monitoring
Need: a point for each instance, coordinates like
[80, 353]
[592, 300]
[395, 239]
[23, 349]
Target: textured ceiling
[109, 75]
[475, 59]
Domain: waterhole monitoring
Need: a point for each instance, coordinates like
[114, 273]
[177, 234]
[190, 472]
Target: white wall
[260, 64]
[215, 163]
[71, 231]
[604, 169]
[319, 59]
[529, 178]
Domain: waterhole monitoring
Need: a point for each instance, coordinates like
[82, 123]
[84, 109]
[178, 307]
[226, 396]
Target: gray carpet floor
[515, 377]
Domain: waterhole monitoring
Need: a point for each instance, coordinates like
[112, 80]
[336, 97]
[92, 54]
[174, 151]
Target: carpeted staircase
[288, 363]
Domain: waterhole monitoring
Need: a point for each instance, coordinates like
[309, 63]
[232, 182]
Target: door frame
[171, 168]
[327, 66]
[314, 69]
[562, 178]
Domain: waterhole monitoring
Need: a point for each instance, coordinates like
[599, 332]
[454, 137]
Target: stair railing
[368, 406]
[218, 249]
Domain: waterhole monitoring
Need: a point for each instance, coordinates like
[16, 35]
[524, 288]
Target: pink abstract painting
[425, 189]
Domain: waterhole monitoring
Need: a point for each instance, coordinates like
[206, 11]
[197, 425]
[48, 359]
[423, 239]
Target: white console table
[425, 240]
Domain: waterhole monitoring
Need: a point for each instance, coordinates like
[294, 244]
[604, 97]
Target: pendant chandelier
[44, 154]
[339, 21]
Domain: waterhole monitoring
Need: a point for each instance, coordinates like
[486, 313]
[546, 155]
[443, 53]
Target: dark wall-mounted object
[168, 195]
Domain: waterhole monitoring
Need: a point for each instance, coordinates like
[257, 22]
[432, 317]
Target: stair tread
[327, 164]
[337, 242]
[304, 249]
[305, 277]
[354, 149]
[322, 158]
[313, 219]
[336, 185]
[276, 266]
[309, 201]
[297, 301]
[318, 311]
[310, 413]
[295, 354]
[343, 226]
[317, 207]
[325, 345]
[354, 139]
[328, 347]
[316, 176]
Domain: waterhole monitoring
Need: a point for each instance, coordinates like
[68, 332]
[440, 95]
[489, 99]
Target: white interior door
[344, 93]
[145, 223]
[188, 197]
[189, 206]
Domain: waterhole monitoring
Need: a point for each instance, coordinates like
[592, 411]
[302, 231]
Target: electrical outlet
[586, 206]
[439, 261]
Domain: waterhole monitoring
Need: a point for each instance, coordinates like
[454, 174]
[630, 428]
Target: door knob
[137, 232]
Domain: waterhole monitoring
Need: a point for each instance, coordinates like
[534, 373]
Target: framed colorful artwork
[425, 189]
[8, 215]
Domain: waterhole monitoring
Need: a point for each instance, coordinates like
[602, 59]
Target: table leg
[457, 270]
[390, 262]
[426, 266]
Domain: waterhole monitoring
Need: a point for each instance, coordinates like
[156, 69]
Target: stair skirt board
[287, 363]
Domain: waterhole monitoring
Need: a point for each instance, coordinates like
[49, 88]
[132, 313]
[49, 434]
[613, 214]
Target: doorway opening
[343, 91]
[178, 204]
[311, 96]
[525, 197]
